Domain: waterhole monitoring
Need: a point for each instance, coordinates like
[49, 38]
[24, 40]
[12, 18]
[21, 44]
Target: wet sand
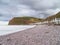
[39, 35]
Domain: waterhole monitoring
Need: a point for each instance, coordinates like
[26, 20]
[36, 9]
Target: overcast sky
[35, 8]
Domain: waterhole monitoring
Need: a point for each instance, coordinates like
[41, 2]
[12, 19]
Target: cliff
[53, 16]
[23, 20]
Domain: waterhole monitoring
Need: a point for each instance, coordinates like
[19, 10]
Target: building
[55, 21]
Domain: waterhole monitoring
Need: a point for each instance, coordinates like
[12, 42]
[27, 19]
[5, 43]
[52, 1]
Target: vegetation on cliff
[24, 20]
[53, 17]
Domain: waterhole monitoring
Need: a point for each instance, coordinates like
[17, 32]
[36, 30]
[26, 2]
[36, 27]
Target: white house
[56, 20]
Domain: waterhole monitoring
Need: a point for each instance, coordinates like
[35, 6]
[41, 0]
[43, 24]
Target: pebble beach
[38, 35]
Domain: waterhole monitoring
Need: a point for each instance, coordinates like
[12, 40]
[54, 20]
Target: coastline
[39, 35]
[9, 29]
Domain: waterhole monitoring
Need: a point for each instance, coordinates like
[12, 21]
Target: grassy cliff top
[24, 20]
[53, 16]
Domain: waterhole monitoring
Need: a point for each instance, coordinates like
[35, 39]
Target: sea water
[8, 29]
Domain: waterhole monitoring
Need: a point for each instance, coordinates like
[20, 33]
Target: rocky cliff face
[23, 20]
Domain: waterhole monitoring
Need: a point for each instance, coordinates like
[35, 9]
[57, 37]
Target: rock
[33, 36]
[23, 20]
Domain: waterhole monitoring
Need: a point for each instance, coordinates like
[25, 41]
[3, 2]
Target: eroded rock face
[23, 20]
[18, 21]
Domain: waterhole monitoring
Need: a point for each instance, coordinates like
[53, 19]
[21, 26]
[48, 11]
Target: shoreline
[39, 35]
[14, 29]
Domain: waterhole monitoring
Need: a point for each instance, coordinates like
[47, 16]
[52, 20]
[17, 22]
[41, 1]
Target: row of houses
[56, 20]
[53, 21]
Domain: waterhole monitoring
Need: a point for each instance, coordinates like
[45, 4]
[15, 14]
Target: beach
[38, 35]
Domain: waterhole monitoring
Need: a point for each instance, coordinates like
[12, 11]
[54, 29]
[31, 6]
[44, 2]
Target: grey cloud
[35, 8]
[41, 4]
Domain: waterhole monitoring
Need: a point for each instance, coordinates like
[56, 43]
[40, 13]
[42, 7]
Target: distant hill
[53, 16]
[23, 20]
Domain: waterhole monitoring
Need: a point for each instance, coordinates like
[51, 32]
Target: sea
[6, 29]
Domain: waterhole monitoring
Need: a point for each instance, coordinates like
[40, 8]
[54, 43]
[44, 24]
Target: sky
[34, 8]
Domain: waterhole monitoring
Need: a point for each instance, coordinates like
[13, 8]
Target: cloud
[41, 4]
[35, 8]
